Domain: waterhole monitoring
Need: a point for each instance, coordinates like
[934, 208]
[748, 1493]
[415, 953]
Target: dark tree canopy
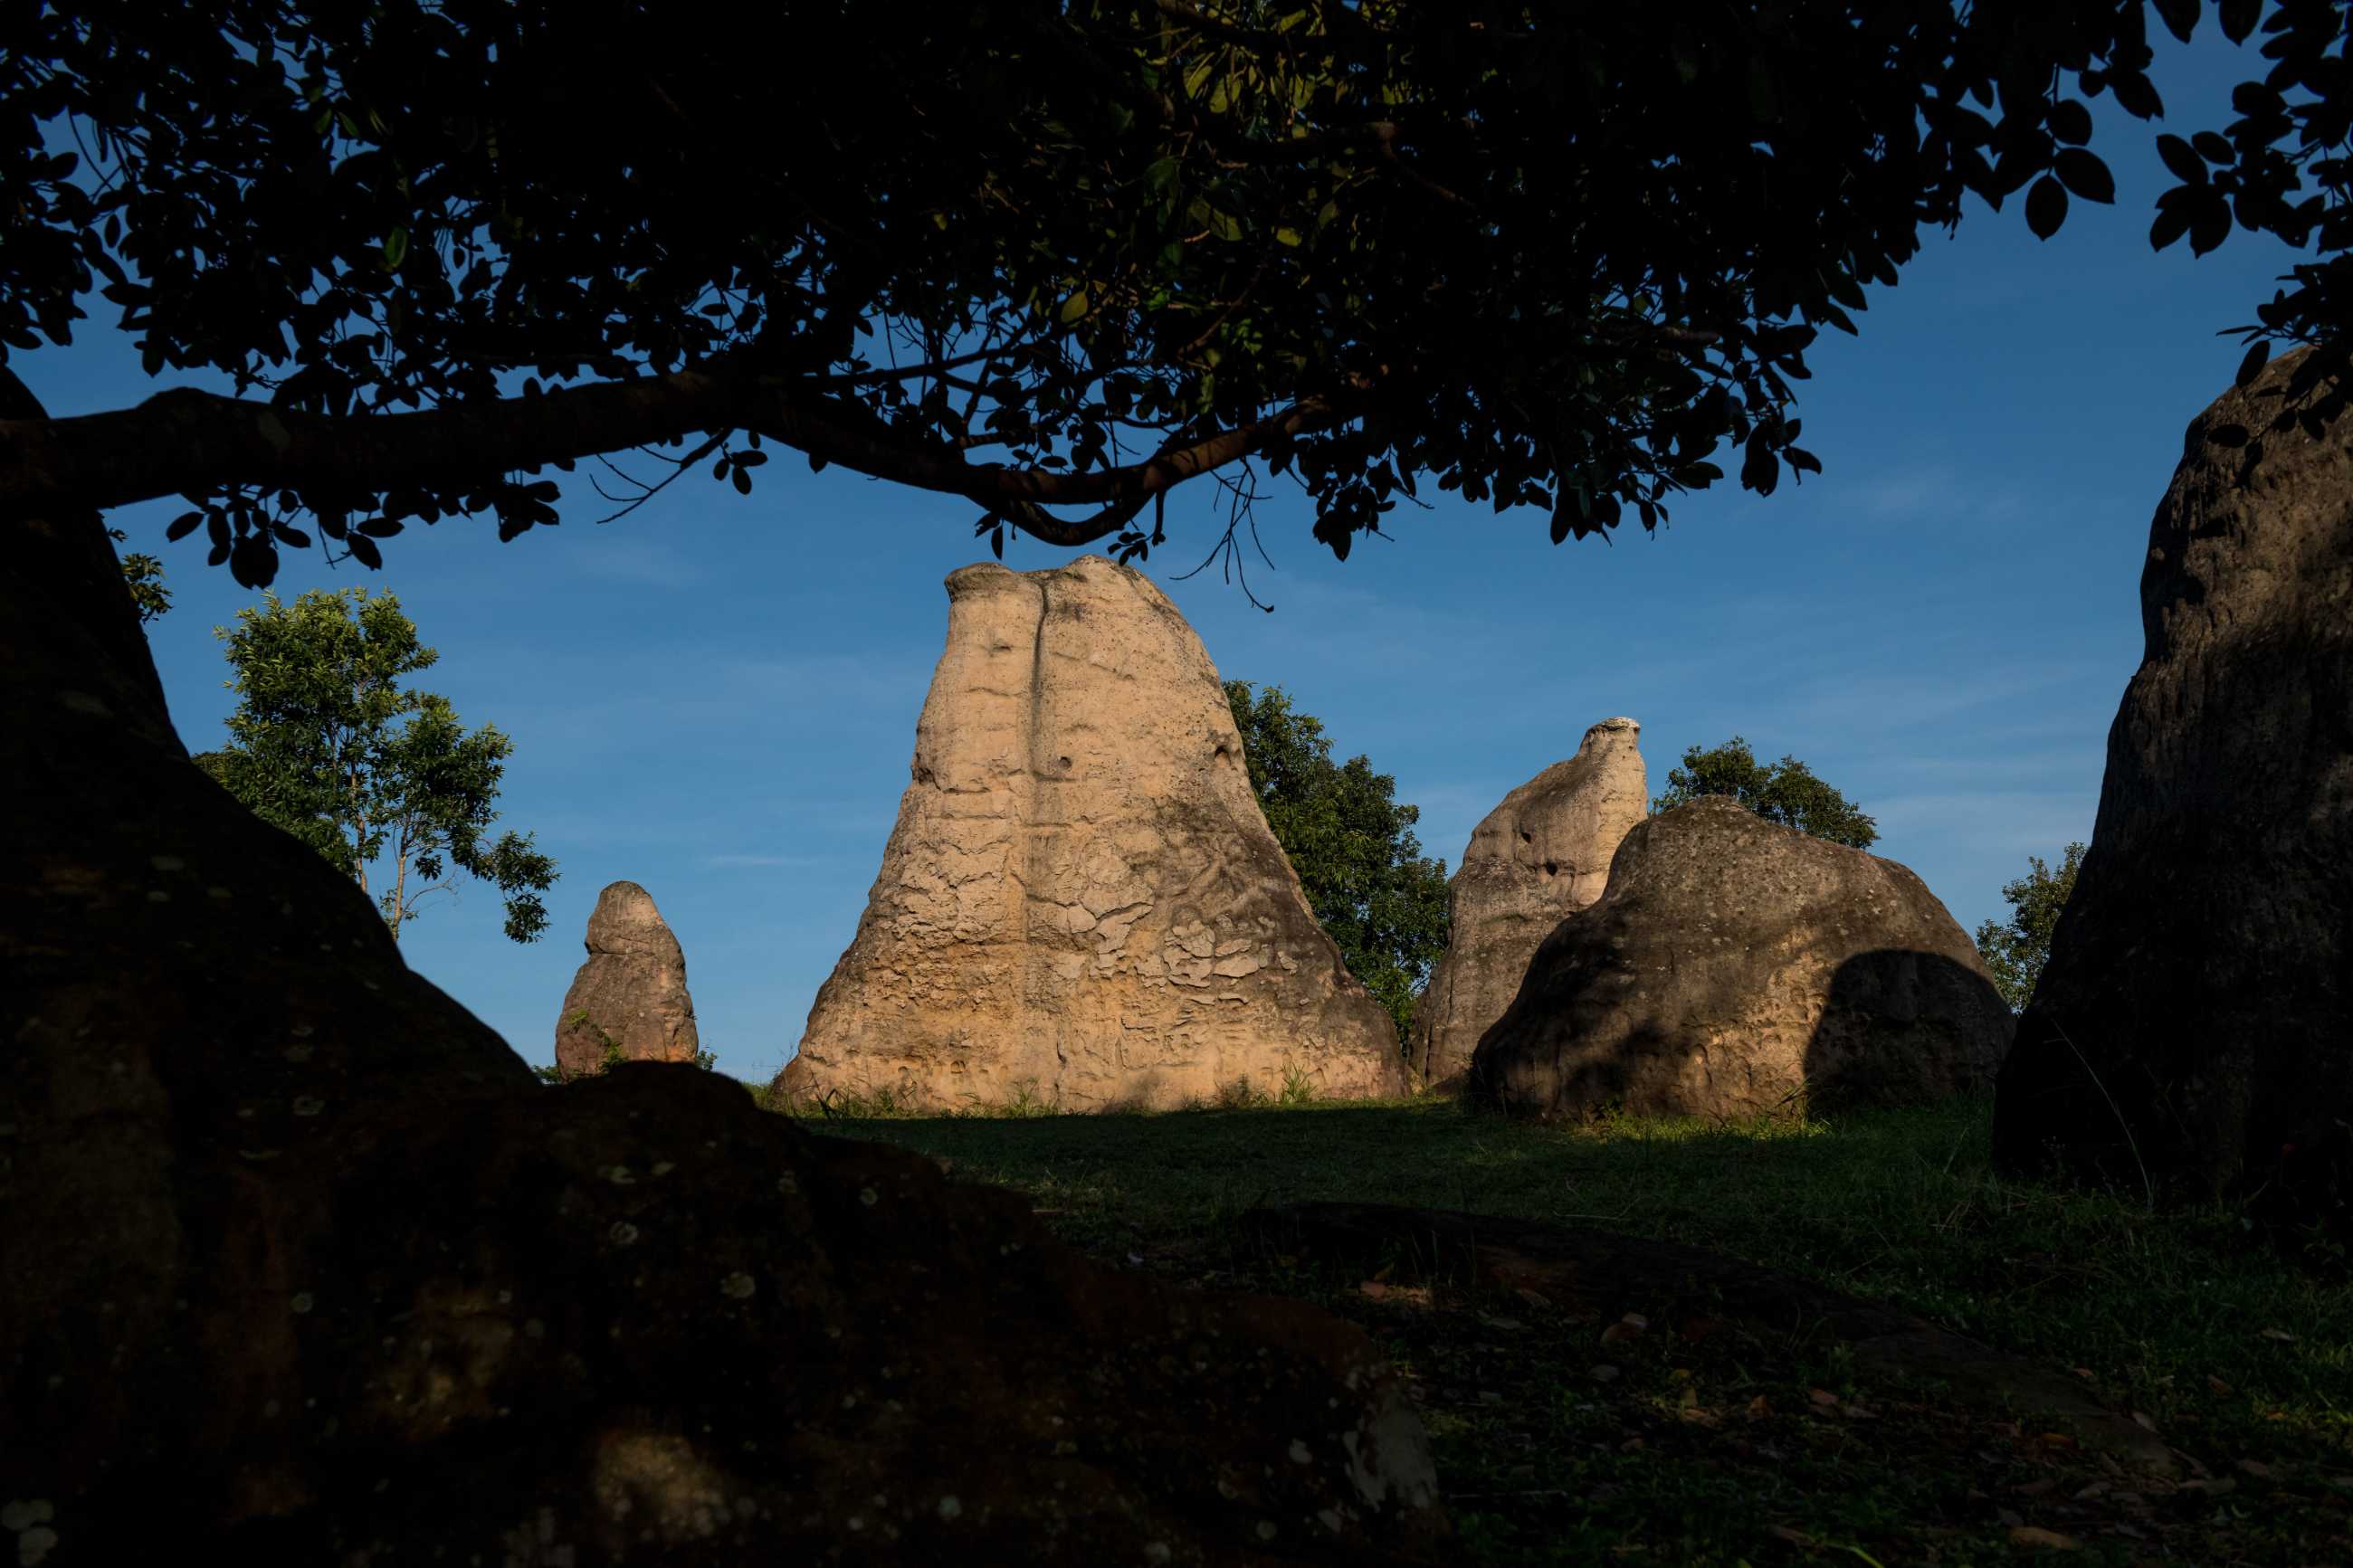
[1050, 258]
[1785, 791]
[1353, 845]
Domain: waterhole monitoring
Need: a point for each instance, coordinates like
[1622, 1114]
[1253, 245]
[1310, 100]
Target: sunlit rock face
[304, 1266]
[2193, 1029]
[1538, 857]
[1733, 967]
[1081, 902]
[630, 998]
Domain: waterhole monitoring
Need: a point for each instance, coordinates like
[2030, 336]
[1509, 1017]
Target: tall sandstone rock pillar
[2194, 1025]
[1081, 901]
[1535, 860]
[630, 996]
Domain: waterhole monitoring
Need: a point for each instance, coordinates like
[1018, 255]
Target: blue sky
[716, 697]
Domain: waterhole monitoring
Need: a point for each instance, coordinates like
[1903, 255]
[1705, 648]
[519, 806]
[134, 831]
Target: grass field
[1555, 1446]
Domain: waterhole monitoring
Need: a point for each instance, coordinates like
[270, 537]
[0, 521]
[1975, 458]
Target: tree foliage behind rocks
[143, 574]
[1353, 845]
[1785, 791]
[1059, 256]
[2014, 954]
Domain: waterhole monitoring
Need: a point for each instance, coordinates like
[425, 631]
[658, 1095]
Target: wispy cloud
[1924, 490]
[640, 560]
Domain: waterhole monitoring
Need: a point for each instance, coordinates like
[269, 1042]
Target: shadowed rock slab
[305, 1267]
[2193, 1029]
[1081, 901]
[630, 995]
[1734, 965]
[1536, 858]
[1598, 1275]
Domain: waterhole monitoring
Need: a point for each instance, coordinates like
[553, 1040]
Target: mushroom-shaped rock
[2193, 1027]
[1733, 966]
[629, 1000]
[1081, 902]
[1535, 860]
[304, 1266]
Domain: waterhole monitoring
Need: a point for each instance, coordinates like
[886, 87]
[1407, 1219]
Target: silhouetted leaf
[2238, 18]
[2046, 207]
[2173, 213]
[2210, 222]
[364, 551]
[186, 523]
[2082, 174]
[2179, 16]
[2134, 93]
[2253, 365]
[2071, 122]
[2179, 156]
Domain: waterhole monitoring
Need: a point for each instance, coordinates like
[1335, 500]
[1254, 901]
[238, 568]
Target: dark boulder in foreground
[2193, 1029]
[305, 1267]
[1735, 966]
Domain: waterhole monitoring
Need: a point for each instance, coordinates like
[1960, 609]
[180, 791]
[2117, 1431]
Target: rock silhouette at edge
[1080, 902]
[2192, 1030]
[630, 998]
[1735, 967]
[1540, 856]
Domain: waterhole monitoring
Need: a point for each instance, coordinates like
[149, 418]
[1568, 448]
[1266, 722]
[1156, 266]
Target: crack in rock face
[1538, 857]
[1081, 902]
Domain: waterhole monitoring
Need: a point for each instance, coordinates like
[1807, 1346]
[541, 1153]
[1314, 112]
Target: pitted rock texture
[304, 1266]
[1081, 903]
[2193, 1029]
[1734, 965]
[630, 996]
[1535, 860]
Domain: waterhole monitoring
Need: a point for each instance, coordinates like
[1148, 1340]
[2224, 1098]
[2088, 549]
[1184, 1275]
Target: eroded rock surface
[1081, 902]
[305, 1267]
[1733, 966]
[1536, 858]
[2193, 1029]
[629, 999]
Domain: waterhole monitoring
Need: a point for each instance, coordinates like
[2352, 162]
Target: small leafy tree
[1351, 844]
[1785, 791]
[2014, 954]
[326, 744]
